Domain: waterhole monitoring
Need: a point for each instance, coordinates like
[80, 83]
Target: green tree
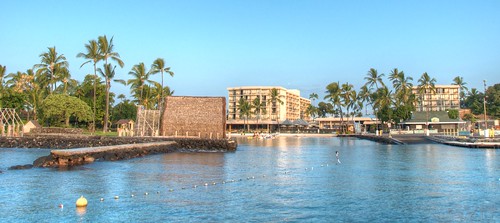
[106, 50]
[426, 87]
[124, 110]
[333, 94]
[160, 67]
[383, 102]
[60, 107]
[245, 109]
[85, 92]
[461, 83]
[3, 70]
[51, 63]
[373, 78]
[474, 101]
[493, 100]
[452, 113]
[259, 108]
[108, 74]
[274, 99]
[13, 99]
[93, 55]
[324, 109]
[140, 78]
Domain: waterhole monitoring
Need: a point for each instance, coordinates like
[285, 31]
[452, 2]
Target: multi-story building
[293, 107]
[444, 97]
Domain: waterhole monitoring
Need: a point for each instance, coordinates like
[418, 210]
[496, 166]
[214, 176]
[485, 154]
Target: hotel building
[443, 98]
[293, 107]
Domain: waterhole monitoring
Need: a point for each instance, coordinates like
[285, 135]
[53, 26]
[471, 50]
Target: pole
[484, 105]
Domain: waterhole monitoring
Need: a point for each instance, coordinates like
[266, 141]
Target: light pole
[484, 106]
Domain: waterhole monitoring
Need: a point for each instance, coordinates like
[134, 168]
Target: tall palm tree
[259, 108]
[50, 62]
[333, 92]
[348, 97]
[364, 96]
[402, 86]
[245, 109]
[426, 86]
[461, 83]
[160, 67]
[138, 82]
[93, 55]
[313, 96]
[109, 74]
[274, 98]
[106, 50]
[2, 74]
[373, 78]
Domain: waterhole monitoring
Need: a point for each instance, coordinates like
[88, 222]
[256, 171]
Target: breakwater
[71, 151]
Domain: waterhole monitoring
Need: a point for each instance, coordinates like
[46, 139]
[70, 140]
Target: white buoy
[146, 193]
[117, 197]
[102, 199]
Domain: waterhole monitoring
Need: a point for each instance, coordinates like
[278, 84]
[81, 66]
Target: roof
[35, 123]
[338, 119]
[124, 121]
[286, 122]
[300, 122]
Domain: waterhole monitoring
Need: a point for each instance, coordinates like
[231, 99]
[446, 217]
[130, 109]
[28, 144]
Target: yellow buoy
[81, 202]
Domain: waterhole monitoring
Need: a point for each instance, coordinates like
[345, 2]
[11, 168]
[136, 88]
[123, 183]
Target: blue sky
[305, 45]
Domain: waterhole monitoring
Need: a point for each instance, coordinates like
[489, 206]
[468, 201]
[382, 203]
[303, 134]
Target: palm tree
[2, 74]
[383, 99]
[461, 83]
[159, 67]
[313, 96]
[274, 98]
[245, 110]
[426, 85]
[348, 97]
[333, 92]
[50, 63]
[373, 78]
[402, 86]
[140, 77]
[106, 50]
[93, 55]
[259, 108]
[108, 74]
[364, 96]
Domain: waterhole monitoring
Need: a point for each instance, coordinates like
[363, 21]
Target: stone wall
[55, 130]
[203, 117]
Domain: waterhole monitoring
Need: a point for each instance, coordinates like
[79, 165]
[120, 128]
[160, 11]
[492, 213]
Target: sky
[296, 44]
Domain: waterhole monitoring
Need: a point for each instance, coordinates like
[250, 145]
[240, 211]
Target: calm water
[280, 180]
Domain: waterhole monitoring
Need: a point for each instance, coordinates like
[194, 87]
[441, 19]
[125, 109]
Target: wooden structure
[11, 124]
[125, 127]
[148, 122]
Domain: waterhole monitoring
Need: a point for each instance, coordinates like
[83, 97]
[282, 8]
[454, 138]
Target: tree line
[48, 93]
[395, 102]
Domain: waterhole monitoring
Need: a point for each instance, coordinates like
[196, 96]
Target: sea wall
[72, 151]
[379, 139]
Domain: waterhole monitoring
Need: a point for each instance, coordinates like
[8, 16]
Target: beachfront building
[431, 115]
[347, 124]
[272, 114]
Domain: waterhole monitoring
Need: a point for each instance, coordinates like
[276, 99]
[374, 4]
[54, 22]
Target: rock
[21, 167]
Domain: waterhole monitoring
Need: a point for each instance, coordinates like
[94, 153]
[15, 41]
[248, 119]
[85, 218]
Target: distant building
[293, 107]
[32, 124]
[445, 97]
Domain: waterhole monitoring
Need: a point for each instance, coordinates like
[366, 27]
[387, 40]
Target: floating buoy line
[82, 201]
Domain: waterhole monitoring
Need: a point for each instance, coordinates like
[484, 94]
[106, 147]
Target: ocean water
[293, 179]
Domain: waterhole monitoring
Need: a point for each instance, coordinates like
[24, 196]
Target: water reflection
[285, 179]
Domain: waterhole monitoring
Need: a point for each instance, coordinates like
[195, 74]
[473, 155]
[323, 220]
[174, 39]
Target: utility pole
[484, 105]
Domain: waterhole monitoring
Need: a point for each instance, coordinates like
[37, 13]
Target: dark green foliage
[13, 99]
[452, 113]
[58, 108]
[493, 101]
[124, 110]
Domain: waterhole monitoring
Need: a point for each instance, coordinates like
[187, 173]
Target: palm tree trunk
[95, 89]
[106, 115]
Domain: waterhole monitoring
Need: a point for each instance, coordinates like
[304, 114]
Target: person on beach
[337, 155]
